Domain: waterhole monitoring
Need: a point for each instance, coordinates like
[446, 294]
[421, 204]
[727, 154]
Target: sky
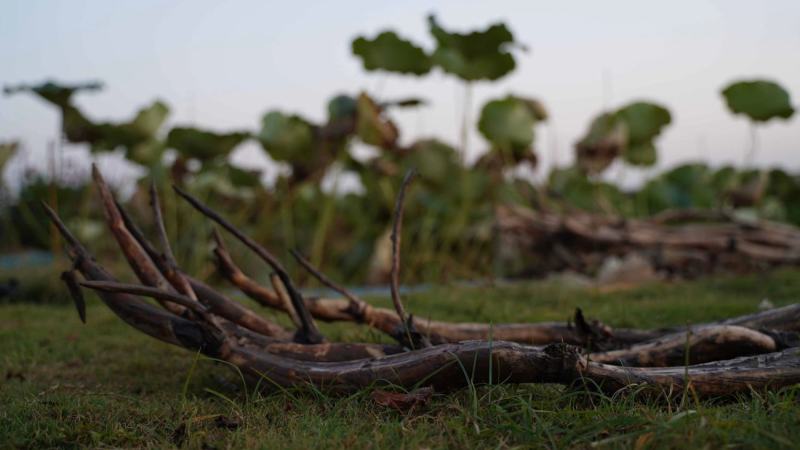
[222, 65]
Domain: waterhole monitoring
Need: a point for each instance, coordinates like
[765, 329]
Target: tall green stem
[750, 156]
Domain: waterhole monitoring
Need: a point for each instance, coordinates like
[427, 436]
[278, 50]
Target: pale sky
[222, 65]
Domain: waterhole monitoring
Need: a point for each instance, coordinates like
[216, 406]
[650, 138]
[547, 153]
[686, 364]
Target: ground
[64, 384]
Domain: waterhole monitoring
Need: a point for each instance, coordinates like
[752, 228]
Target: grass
[63, 384]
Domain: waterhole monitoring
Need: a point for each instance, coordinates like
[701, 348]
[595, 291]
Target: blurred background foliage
[449, 221]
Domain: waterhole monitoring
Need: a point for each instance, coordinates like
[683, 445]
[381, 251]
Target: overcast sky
[221, 65]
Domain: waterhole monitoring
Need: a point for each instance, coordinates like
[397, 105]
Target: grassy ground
[105, 385]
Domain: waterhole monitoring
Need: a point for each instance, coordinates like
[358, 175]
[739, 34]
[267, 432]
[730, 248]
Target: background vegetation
[450, 208]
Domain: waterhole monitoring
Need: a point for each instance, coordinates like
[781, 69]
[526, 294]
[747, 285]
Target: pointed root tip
[73, 286]
[48, 210]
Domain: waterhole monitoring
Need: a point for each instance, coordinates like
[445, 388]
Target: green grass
[63, 384]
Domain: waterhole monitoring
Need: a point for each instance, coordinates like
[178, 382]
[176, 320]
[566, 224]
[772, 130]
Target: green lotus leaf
[243, 177]
[536, 108]
[687, 175]
[55, 93]
[606, 139]
[572, 185]
[138, 137]
[685, 186]
[341, 106]
[391, 53]
[783, 185]
[218, 182]
[473, 186]
[203, 145]
[723, 179]
[147, 153]
[77, 128]
[760, 100]
[747, 176]
[433, 159]
[286, 137]
[641, 154]
[560, 179]
[148, 120]
[644, 120]
[478, 55]
[507, 123]
[141, 131]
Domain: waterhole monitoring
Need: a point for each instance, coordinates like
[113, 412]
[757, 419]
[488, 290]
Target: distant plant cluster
[451, 208]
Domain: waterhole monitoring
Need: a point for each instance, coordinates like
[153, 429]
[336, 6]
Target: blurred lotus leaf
[143, 128]
[372, 126]
[643, 154]
[629, 132]
[336, 133]
[479, 55]
[435, 161]
[223, 179]
[782, 184]
[286, 137]
[341, 106]
[644, 122]
[536, 108]
[139, 137]
[77, 128]
[686, 186]
[786, 187]
[723, 179]
[760, 100]
[514, 191]
[217, 182]
[463, 187]
[7, 151]
[147, 153]
[606, 139]
[572, 186]
[687, 175]
[243, 177]
[391, 53]
[55, 93]
[560, 179]
[508, 124]
[203, 145]
[150, 119]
